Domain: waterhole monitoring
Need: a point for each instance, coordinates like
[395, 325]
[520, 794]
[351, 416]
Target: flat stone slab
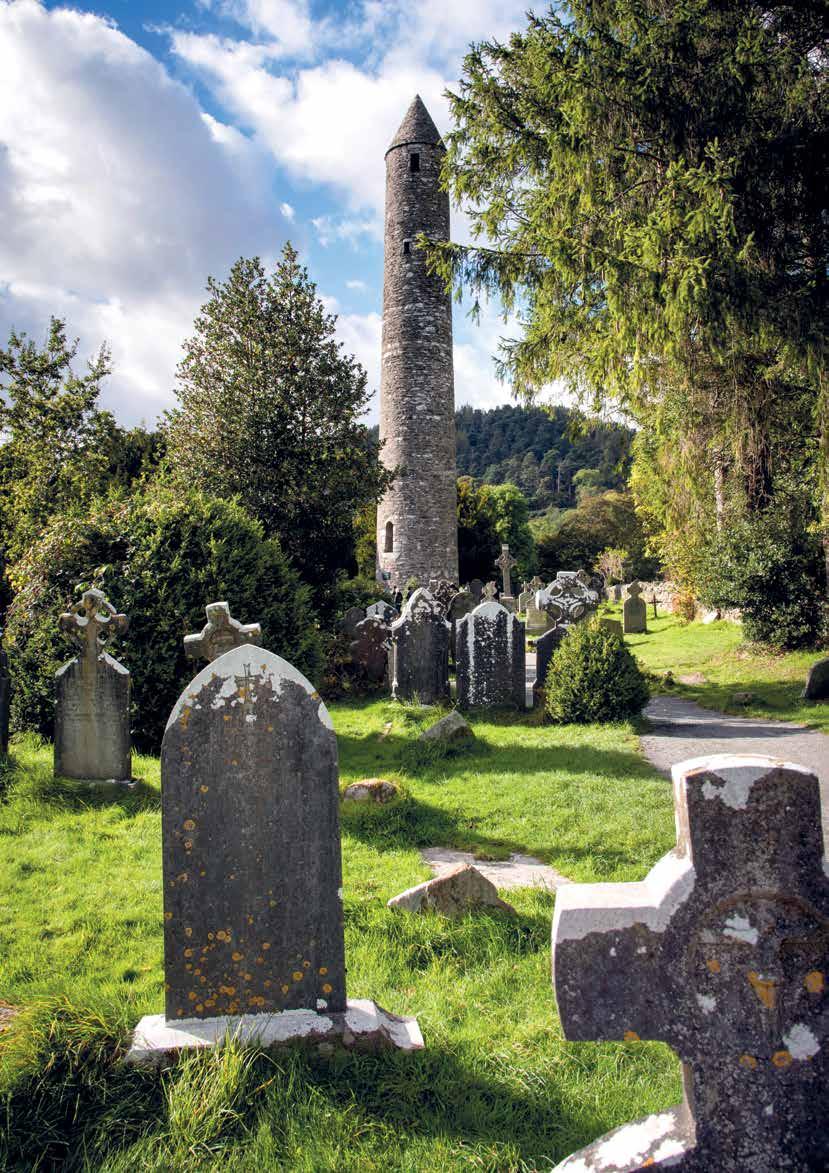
[454, 892]
[682, 729]
[362, 1026]
[519, 871]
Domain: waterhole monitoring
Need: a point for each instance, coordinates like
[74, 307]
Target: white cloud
[118, 196]
[359, 286]
[287, 211]
[286, 22]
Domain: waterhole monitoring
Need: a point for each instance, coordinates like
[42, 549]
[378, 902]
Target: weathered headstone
[722, 953]
[537, 619]
[611, 625]
[381, 610]
[253, 917]
[817, 682]
[420, 651]
[460, 604]
[476, 589]
[545, 647]
[349, 621]
[569, 598]
[634, 611]
[5, 697]
[490, 658]
[92, 716]
[524, 599]
[220, 634]
[369, 650]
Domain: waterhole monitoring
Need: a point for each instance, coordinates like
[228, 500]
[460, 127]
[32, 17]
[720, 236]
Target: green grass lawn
[717, 652]
[496, 1088]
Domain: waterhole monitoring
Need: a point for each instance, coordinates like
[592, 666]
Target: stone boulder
[817, 682]
[377, 790]
[454, 893]
[449, 730]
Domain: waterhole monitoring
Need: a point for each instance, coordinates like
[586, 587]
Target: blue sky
[146, 144]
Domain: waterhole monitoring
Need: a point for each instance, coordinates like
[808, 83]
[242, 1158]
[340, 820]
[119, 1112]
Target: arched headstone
[420, 651]
[490, 658]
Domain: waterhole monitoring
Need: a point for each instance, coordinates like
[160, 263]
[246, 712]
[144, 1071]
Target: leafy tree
[511, 514]
[56, 441]
[478, 542]
[269, 409]
[582, 534]
[613, 562]
[588, 482]
[650, 181]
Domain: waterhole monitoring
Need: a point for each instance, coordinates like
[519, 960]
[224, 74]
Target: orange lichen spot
[323, 970]
[248, 977]
[222, 935]
[202, 872]
[188, 952]
[271, 904]
[260, 960]
[250, 920]
[631, 1036]
[210, 1003]
[236, 956]
[188, 966]
[243, 692]
[210, 936]
[184, 718]
[270, 729]
[197, 972]
[266, 944]
[814, 981]
[199, 1007]
[326, 989]
[650, 1161]
[166, 986]
[188, 844]
[182, 879]
[297, 975]
[234, 762]
[189, 825]
[225, 718]
[285, 989]
[748, 1061]
[267, 984]
[764, 988]
[179, 1014]
[188, 932]
[168, 916]
[782, 1059]
[229, 990]
[713, 965]
[192, 995]
[256, 1000]
[203, 981]
[306, 965]
[204, 789]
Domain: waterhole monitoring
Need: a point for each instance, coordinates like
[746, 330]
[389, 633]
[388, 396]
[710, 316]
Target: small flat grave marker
[722, 952]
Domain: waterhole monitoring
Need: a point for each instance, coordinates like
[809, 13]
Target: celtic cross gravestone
[220, 634]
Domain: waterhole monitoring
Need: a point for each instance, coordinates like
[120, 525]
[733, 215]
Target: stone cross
[490, 591]
[92, 712]
[253, 901]
[536, 583]
[722, 952]
[220, 634]
[505, 564]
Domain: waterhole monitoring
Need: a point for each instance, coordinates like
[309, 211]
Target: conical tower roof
[416, 127]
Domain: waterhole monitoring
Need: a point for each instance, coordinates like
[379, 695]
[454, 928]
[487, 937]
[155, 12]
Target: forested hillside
[548, 454]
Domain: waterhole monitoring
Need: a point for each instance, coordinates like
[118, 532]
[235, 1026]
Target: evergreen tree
[269, 409]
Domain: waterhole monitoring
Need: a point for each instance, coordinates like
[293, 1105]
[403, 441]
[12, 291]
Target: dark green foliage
[769, 565]
[593, 677]
[161, 558]
[270, 409]
[540, 450]
[478, 542]
[580, 535]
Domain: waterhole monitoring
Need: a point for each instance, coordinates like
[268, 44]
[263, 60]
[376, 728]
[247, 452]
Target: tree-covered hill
[549, 454]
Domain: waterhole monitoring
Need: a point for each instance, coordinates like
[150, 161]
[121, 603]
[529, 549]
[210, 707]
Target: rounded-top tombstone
[420, 651]
[489, 646]
[253, 918]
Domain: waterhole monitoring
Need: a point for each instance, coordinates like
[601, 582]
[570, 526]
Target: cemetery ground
[496, 1088]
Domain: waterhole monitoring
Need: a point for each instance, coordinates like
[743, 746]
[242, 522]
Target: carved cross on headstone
[490, 591]
[93, 621]
[220, 634]
[722, 952]
[505, 564]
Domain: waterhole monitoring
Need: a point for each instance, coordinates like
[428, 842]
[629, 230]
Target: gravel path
[519, 871]
[683, 729]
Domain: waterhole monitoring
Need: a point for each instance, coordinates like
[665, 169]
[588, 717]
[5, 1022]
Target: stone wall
[417, 409]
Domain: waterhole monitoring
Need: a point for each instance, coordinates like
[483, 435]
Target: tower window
[389, 547]
[407, 248]
[414, 161]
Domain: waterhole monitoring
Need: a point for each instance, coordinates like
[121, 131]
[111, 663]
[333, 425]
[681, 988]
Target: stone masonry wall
[417, 420]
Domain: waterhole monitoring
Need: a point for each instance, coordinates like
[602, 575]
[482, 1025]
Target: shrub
[593, 677]
[160, 557]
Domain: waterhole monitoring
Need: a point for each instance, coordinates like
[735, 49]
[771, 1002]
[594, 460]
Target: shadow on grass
[82, 1107]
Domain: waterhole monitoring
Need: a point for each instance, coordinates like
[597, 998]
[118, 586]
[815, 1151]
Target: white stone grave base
[363, 1026]
[658, 1142]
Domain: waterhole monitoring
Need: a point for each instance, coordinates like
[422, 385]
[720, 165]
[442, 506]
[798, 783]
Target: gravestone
[92, 715]
[634, 611]
[537, 619]
[253, 915]
[525, 598]
[349, 621]
[545, 647]
[220, 634]
[476, 589]
[506, 563]
[490, 592]
[569, 597]
[611, 625]
[420, 651]
[817, 682]
[5, 697]
[381, 610]
[369, 650]
[722, 953]
[461, 604]
[490, 658]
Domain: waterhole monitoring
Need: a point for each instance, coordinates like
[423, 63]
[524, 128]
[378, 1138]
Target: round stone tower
[417, 528]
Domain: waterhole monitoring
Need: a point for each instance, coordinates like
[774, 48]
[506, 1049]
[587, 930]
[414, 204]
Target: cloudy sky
[145, 144]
